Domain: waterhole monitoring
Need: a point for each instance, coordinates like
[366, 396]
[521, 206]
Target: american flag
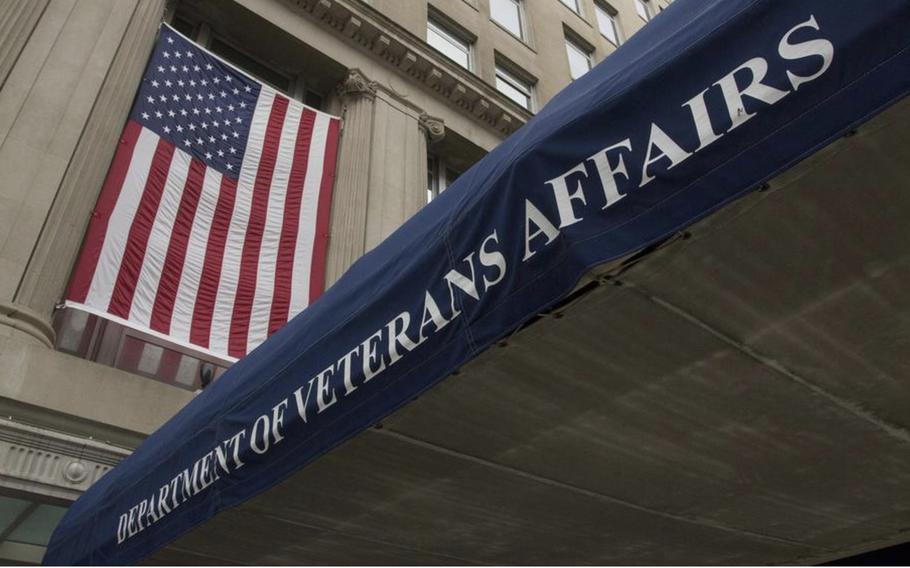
[211, 227]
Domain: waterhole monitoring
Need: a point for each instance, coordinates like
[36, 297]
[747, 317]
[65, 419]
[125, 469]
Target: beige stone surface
[36, 382]
[43, 109]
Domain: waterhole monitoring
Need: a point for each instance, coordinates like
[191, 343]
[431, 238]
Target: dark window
[251, 65]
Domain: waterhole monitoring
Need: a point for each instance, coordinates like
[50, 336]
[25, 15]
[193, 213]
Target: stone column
[397, 166]
[18, 19]
[349, 197]
[382, 168]
[63, 192]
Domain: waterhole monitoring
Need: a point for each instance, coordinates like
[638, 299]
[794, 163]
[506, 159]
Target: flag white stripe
[118, 229]
[185, 302]
[159, 239]
[268, 253]
[233, 250]
[306, 235]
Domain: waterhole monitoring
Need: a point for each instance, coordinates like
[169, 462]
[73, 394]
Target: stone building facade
[424, 88]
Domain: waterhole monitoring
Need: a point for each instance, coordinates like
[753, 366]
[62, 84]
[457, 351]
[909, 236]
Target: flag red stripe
[324, 206]
[201, 327]
[163, 308]
[249, 258]
[140, 229]
[82, 276]
[284, 266]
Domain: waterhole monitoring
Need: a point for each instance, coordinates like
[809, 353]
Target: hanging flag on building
[211, 227]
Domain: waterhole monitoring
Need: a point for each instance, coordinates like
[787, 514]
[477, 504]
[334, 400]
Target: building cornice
[52, 463]
[387, 41]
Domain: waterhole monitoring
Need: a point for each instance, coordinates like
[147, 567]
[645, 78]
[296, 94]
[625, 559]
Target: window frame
[603, 10]
[572, 43]
[295, 85]
[455, 37]
[643, 9]
[518, 81]
[576, 9]
[523, 34]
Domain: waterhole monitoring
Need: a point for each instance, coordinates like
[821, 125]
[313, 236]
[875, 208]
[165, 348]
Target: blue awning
[706, 103]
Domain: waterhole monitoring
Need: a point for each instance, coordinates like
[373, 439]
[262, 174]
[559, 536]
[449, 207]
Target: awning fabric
[707, 102]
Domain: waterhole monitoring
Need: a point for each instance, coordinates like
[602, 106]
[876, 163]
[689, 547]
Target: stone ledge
[389, 42]
[38, 384]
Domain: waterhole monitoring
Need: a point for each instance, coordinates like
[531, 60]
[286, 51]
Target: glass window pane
[251, 66]
[187, 371]
[513, 87]
[432, 177]
[579, 62]
[184, 27]
[642, 10]
[507, 13]
[10, 509]
[75, 329]
[37, 528]
[607, 25]
[452, 47]
[571, 4]
[313, 99]
[150, 359]
[513, 93]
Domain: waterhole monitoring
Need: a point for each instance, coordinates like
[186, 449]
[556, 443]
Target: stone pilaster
[382, 168]
[17, 20]
[397, 166]
[432, 130]
[54, 255]
[349, 198]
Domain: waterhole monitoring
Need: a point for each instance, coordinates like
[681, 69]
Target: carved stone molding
[51, 463]
[434, 128]
[387, 41]
[356, 84]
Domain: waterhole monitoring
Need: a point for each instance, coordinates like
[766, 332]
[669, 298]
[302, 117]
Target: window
[28, 522]
[606, 23]
[290, 84]
[579, 59]
[644, 9]
[517, 89]
[449, 43]
[572, 5]
[507, 13]
[251, 65]
[109, 343]
[439, 176]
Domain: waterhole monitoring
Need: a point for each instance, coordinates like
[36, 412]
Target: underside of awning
[738, 396]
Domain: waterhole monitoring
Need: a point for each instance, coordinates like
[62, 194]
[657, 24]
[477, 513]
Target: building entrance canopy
[705, 104]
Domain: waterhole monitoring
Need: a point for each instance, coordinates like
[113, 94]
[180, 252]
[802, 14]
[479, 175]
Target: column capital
[433, 128]
[356, 84]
